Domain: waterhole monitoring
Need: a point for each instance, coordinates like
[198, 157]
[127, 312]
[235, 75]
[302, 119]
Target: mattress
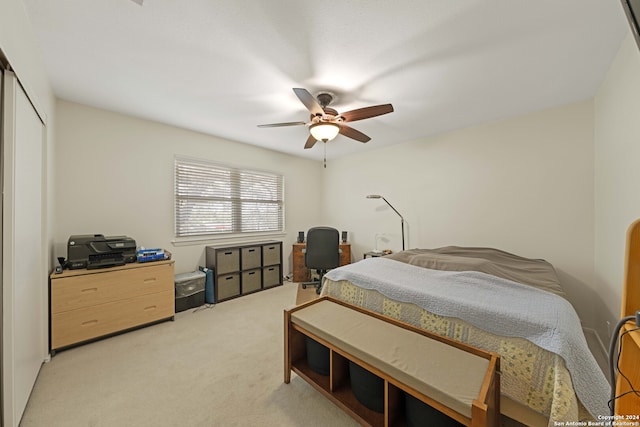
[537, 386]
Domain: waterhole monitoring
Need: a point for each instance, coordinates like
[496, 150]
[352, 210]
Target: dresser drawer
[86, 323]
[87, 290]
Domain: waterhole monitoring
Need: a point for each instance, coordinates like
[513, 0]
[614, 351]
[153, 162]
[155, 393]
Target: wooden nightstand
[301, 272]
[373, 254]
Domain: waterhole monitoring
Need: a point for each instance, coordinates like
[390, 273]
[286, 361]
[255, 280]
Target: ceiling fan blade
[309, 101]
[310, 142]
[275, 125]
[366, 112]
[353, 134]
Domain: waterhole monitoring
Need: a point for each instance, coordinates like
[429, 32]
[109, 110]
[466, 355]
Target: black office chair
[322, 253]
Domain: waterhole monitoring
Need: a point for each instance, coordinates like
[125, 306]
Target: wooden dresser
[88, 304]
[300, 271]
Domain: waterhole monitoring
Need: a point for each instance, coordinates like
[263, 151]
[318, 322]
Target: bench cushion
[442, 372]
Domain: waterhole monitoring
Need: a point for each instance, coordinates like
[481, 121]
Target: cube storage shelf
[244, 269]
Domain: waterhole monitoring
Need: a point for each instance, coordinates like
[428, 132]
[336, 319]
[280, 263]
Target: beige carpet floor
[216, 366]
[220, 366]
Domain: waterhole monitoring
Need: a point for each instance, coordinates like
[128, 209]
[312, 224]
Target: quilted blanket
[546, 366]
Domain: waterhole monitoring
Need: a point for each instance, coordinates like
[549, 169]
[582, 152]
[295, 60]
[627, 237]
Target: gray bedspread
[493, 304]
[534, 272]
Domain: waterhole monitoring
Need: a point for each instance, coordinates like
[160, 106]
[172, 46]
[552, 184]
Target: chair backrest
[323, 248]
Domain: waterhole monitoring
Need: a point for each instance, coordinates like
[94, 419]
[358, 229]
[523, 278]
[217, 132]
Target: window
[216, 199]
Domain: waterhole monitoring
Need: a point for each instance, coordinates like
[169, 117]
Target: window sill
[230, 239]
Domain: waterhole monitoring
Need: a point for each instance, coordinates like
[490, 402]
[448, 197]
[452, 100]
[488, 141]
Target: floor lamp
[377, 196]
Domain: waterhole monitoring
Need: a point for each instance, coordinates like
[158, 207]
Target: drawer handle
[252, 250]
[228, 253]
[271, 269]
[89, 322]
[272, 247]
[228, 278]
[253, 272]
[151, 279]
[89, 290]
[151, 307]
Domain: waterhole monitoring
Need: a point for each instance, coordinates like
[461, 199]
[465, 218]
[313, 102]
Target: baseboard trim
[603, 348]
[599, 351]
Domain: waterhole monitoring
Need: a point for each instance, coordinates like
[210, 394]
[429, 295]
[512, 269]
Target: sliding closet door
[24, 276]
[2, 419]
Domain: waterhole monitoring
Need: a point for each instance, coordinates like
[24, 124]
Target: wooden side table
[300, 270]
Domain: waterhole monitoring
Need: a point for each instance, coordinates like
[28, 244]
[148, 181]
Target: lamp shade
[324, 131]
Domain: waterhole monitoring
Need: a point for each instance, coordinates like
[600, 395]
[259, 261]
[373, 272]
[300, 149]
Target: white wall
[18, 43]
[115, 177]
[19, 47]
[524, 185]
[617, 177]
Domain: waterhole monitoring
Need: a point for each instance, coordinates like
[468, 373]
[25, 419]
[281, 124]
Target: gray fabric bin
[227, 261]
[227, 286]
[271, 276]
[271, 254]
[251, 257]
[251, 280]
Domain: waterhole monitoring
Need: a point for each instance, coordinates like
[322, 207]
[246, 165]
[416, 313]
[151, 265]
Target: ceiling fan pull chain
[325, 154]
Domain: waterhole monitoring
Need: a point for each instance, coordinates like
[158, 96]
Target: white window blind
[217, 199]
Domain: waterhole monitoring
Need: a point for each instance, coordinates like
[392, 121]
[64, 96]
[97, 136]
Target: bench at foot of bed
[384, 372]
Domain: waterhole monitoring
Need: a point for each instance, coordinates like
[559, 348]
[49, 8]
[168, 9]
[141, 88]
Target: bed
[496, 301]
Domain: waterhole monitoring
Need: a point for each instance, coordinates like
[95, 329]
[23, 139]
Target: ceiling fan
[326, 123]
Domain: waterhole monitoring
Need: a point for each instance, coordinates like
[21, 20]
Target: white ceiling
[222, 67]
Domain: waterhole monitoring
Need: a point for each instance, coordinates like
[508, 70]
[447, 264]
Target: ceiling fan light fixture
[324, 131]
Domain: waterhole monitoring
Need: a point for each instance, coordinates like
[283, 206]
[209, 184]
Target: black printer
[96, 251]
